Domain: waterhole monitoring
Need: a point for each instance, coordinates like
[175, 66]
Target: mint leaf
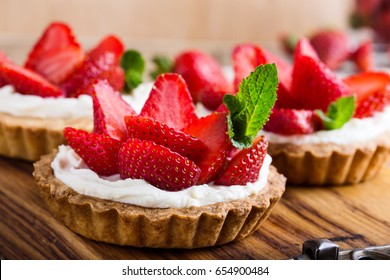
[133, 65]
[251, 107]
[162, 64]
[339, 112]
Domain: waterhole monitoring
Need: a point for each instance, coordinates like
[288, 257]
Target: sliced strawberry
[204, 77]
[292, 121]
[246, 57]
[314, 86]
[212, 131]
[111, 44]
[170, 102]
[102, 67]
[363, 57]
[3, 58]
[245, 166]
[156, 164]
[372, 91]
[332, 46]
[99, 151]
[109, 110]
[148, 129]
[27, 82]
[56, 55]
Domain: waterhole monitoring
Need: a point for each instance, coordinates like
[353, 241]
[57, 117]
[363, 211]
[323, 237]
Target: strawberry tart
[324, 130]
[51, 91]
[166, 178]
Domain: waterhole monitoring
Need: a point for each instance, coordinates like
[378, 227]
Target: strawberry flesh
[26, 81]
[212, 131]
[314, 86]
[148, 129]
[246, 57]
[102, 67]
[372, 92]
[363, 57]
[245, 166]
[204, 77]
[156, 164]
[292, 121]
[110, 44]
[56, 55]
[332, 47]
[170, 102]
[109, 110]
[99, 151]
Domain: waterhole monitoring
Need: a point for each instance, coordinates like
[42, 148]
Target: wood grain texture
[352, 216]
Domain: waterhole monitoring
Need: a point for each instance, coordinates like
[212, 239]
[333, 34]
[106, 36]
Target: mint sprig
[133, 65]
[251, 106]
[162, 64]
[338, 113]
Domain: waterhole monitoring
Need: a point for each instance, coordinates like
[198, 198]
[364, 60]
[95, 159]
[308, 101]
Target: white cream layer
[354, 131]
[69, 168]
[22, 105]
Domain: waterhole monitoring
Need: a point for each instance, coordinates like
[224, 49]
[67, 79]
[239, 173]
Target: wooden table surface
[352, 216]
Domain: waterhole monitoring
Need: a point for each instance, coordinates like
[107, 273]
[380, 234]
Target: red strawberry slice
[292, 121]
[56, 55]
[245, 166]
[246, 57]
[27, 82]
[314, 85]
[3, 58]
[363, 57]
[372, 91]
[332, 46]
[99, 151]
[204, 77]
[148, 129]
[111, 44]
[170, 102]
[156, 164]
[212, 131]
[109, 110]
[102, 67]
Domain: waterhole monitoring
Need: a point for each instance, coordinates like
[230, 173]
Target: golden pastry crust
[28, 138]
[125, 224]
[331, 164]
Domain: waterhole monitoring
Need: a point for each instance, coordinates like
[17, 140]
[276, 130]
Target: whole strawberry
[332, 46]
[204, 77]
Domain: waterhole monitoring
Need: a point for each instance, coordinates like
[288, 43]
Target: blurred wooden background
[168, 25]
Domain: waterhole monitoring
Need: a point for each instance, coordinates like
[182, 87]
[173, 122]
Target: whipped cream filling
[355, 130]
[69, 168]
[22, 105]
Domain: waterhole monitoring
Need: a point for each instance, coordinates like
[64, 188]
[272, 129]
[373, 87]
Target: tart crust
[28, 138]
[125, 224]
[331, 164]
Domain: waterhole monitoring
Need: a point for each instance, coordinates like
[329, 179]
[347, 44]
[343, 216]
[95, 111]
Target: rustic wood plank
[352, 216]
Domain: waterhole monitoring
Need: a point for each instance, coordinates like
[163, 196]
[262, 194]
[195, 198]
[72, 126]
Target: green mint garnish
[162, 65]
[339, 112]
[133, 65]
[251, 107]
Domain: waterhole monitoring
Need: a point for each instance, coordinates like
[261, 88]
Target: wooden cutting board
[351, 216]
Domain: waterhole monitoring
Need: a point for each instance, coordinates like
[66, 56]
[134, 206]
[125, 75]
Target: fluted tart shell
[126, 224]
[331, 164]
[28, 138]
